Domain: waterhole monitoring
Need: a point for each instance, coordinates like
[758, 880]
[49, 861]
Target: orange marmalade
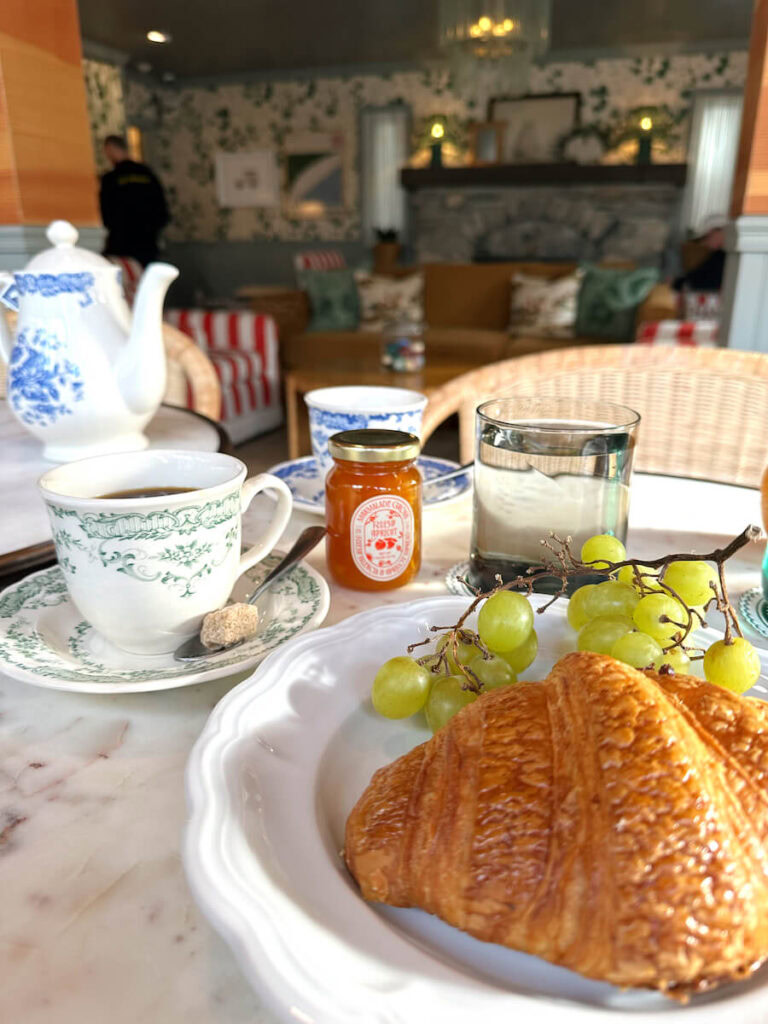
[373, 509]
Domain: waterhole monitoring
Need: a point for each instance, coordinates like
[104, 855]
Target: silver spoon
[193, 649]
[450, 474]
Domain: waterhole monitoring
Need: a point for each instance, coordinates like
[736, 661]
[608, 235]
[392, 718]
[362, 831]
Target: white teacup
[359, 408]
[144, 571]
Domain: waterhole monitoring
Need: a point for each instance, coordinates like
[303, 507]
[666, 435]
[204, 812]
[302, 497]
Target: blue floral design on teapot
[42, 385]
[84, 376]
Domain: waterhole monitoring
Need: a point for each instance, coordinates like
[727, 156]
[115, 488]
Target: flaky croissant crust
[608, 820]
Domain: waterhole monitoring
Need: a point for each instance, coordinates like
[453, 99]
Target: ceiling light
[144, 67]
[156, 36]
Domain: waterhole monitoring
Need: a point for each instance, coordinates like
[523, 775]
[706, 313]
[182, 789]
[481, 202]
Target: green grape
[400, 688]
[691, 580]
[610, 598]
[519, 658]
[734, 666]
[626, 575]
[650, 611]
[677, 660]
[505, 620]
[577, 613]
[446, 698]
[601, 634]
[636, 649]
[601, 547]
[492, 672]
[465, 652]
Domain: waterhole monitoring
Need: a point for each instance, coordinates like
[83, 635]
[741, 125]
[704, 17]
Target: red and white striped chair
[243, 348]
[695, 333]
[319, 259]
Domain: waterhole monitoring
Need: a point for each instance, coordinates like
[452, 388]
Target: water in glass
[543, 465]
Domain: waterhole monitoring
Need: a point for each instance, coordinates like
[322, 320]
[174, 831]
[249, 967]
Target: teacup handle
[251, 487]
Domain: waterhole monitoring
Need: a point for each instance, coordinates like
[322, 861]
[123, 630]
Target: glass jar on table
[402, 346]
[373, 509]
[541, 465]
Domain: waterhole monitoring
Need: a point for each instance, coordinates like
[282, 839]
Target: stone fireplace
[637, 222]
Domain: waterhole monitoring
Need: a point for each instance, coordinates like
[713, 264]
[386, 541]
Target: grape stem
[564, 565]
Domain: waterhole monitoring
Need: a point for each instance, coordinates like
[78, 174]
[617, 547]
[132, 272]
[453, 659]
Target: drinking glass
[541, 464]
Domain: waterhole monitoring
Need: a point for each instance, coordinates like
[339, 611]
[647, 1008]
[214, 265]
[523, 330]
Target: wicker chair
[191, 378]
[704, 411]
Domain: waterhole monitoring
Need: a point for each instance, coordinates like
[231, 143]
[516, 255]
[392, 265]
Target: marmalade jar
[373, 509]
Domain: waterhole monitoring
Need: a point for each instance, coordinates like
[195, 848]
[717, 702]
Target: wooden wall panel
[50, 25]
[750, 185]
[46, 161]
[10, 201]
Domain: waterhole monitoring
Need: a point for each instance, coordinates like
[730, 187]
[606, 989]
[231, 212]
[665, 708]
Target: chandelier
[502, 37]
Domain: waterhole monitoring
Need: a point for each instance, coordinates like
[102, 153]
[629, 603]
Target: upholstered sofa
[466, 310]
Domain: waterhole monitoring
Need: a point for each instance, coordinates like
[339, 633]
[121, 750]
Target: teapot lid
[65, 256]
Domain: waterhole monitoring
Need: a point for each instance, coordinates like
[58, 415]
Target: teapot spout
[141, 367]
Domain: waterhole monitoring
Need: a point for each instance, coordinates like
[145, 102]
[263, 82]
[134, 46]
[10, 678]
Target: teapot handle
[9, 298]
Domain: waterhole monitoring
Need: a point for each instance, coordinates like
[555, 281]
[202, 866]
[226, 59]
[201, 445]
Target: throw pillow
[608, 301]
[387, 299]
[544, 307]
[333, 301]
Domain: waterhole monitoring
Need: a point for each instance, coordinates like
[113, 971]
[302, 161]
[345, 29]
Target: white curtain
[714, 141]
[384, 134]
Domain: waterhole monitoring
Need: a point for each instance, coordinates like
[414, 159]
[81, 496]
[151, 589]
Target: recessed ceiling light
[156, 36]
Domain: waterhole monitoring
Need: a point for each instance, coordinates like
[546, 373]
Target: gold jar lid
[374, 446]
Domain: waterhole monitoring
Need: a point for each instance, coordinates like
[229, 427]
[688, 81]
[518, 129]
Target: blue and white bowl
[360, 408]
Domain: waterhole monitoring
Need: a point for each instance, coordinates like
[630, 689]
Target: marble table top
[23, 519]
[97, 923]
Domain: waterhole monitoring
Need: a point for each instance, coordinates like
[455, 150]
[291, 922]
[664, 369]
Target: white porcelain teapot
[83, 376]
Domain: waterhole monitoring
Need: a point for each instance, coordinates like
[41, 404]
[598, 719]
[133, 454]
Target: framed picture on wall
[486, 142]
[315, 174]
[533, 125]
[248, 179]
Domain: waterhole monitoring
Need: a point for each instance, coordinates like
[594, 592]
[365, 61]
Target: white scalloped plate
[270, 783]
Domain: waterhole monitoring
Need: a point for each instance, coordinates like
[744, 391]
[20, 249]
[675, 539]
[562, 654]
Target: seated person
[707, 276]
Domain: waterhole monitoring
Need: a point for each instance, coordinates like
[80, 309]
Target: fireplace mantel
[414, 178]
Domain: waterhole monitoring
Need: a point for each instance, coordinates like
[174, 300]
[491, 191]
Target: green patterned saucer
[44, 640]
[753, 608]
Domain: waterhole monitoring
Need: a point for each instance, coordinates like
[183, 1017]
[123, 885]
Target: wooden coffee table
[299, 382]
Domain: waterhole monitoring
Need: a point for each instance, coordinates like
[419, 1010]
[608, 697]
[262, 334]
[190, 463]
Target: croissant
[611, 821]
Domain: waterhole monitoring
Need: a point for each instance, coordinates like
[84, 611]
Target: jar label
[381, 537]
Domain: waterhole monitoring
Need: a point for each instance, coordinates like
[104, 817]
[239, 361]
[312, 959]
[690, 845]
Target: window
[714, 142]
[384, 152]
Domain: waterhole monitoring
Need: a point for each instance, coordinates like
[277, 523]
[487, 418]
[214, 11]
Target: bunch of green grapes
[635, 619]
[505, 645]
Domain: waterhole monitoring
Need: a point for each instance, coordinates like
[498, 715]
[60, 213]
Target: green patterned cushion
[333, 299]
[608, 301]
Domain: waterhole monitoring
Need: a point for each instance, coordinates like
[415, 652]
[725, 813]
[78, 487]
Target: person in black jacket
[133, 205]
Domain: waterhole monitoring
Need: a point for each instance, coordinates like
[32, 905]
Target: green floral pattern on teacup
[179, 566]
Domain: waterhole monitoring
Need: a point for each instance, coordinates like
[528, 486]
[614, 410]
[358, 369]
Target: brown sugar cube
[228, 625]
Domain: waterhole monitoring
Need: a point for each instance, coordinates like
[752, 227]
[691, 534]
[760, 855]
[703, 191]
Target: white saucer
[44, 640]
[303, 478]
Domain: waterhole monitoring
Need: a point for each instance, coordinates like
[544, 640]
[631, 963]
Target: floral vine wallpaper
[106, 105]
[184, 126]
